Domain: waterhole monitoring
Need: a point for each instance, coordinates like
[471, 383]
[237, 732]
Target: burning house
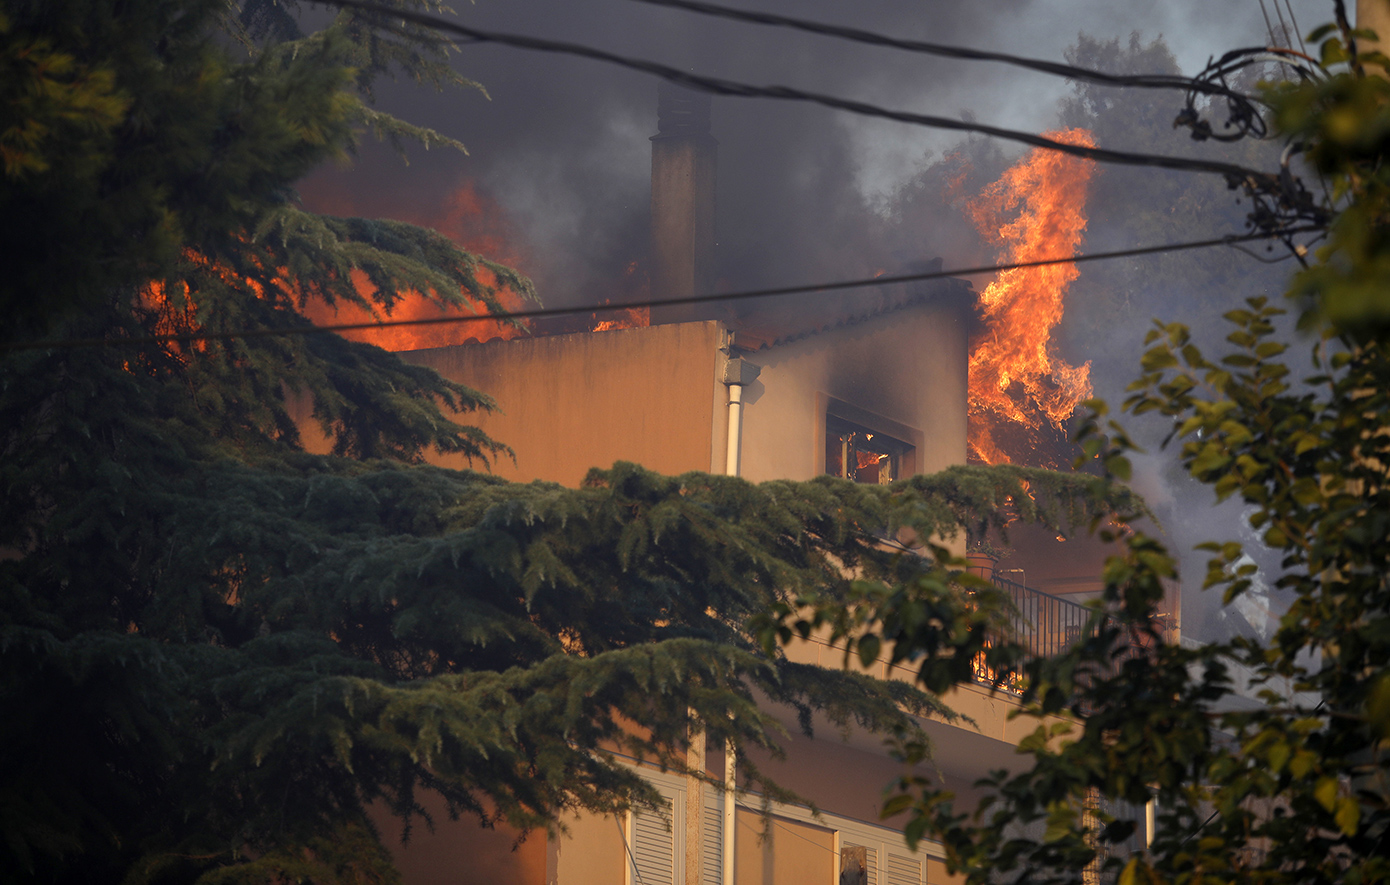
[870, 387]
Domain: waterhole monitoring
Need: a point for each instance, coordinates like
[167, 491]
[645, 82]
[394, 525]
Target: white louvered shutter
[656, 841]
[904, 870]
[712, 850]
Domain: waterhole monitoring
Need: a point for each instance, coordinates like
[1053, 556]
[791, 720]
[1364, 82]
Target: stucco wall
[461, 851]
[781, 851]
[572, 402]
[908, 367]
[589, 852]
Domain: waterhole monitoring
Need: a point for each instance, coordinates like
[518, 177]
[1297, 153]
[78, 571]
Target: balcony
[1044, 624]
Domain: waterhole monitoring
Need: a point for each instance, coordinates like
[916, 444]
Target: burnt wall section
[904, 370]
[572, 402]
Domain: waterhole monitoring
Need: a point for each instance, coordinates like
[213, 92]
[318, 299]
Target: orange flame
[473, 221]
[628, 318]
[1015, 378]
[634, 282]
[415, 306]
[175, 311]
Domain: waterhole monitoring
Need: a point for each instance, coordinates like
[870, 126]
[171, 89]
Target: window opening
[860, 454]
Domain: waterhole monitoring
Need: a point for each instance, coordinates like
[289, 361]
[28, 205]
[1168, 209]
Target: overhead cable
[539, 312]
[944, 50]
[1297, 32]
[1269, 26]
[1234, 173]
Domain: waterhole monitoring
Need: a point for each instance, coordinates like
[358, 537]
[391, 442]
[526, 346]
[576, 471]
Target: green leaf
[1325, 791]
[1119, 467]
[869, 647]
[1158, 358]
[1348, 815]
[1129, 875]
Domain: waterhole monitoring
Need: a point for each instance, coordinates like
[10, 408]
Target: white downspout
[731, 468]
[738, 372]
[727, 878]
[1150, 813]
[731, 456]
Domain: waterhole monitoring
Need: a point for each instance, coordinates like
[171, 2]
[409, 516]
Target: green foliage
[1267, 762]
[52, 102]
[216, 651]
[1290, 783]
[1343, 116]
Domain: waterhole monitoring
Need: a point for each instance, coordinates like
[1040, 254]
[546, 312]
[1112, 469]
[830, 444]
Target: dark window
[863, 455]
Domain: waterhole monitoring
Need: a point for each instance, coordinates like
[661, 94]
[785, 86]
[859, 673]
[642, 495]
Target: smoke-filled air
[557, 184]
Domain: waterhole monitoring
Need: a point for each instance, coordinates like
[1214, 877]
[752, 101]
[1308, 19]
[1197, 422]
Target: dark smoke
[806, 194]
[562, 144]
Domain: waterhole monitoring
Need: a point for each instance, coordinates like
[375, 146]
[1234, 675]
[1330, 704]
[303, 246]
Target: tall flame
[474, 222]
[1018, 386]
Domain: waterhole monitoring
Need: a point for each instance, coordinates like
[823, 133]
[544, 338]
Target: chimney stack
[683, 155]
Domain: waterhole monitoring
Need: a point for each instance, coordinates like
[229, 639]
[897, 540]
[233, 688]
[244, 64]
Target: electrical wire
[622, 833]
[1296, 31]
[718, 86]
[857, 35]
[840, 285]
[1269, 27]
[788, 830]
[1283, 25]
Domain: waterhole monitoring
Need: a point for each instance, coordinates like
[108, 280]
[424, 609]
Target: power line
[718, 86]
[1269, 26]
[1297, 32]
[857, 35]
[840, 285]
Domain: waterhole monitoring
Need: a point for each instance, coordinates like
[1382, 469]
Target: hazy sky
[561, 144]
[560, 158]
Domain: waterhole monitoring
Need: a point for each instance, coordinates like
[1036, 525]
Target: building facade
[872, 395]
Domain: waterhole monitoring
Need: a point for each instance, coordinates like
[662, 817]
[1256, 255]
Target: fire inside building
[870, 388]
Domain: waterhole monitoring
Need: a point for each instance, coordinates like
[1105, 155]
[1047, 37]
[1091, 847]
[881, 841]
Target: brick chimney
[683, 162]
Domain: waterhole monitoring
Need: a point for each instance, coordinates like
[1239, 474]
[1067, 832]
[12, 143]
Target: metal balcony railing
[1044, 624]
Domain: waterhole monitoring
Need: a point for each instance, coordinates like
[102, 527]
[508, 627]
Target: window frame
[907, 439]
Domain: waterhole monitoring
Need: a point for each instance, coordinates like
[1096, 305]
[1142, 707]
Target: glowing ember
[635, 286]
[868, 459]
[626, 318]
[414, 306]
[473, 222]
[1018, 387]
[175, 310]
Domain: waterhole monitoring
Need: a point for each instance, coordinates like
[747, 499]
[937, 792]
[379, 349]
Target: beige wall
[937, 875]
[461, 852]
[907, 366]
[838, 778]
[1374, 14]
[782, 851]
[653, 396]
[572, 402]
[590, 852]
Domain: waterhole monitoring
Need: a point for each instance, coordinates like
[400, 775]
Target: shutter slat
[712, 853]
[653, 848]
[904, 870]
